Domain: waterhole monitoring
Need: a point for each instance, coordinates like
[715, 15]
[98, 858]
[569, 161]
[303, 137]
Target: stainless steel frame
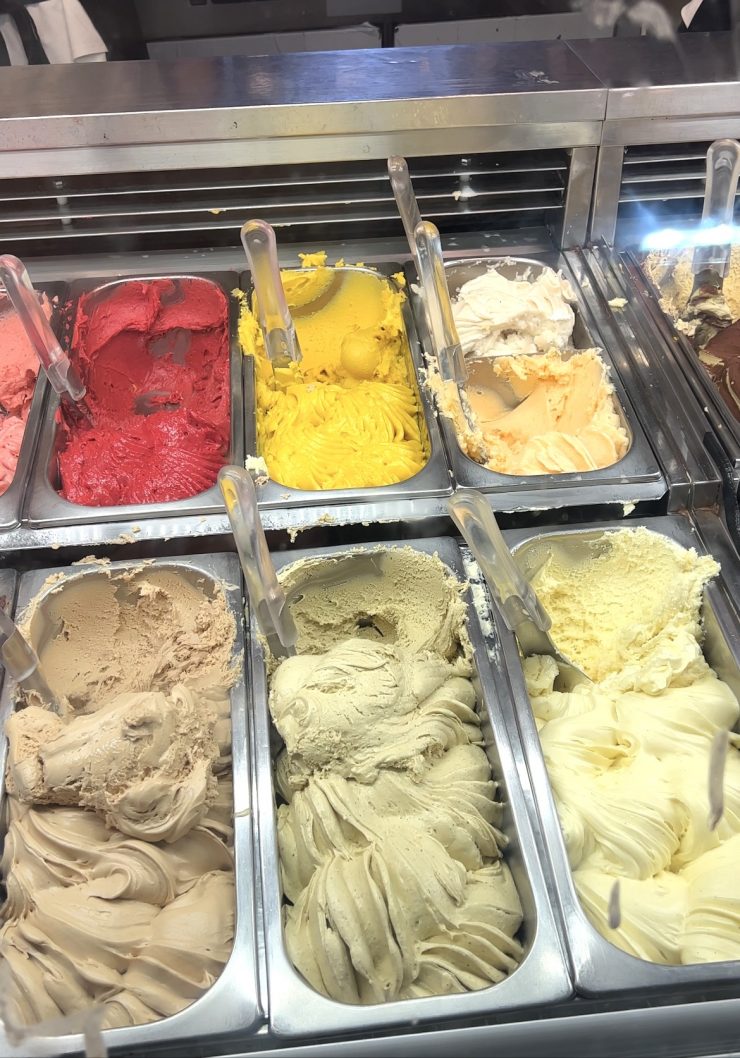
[432, 480]
[45, 506]
[295, 1008]
[687, 91]
[600, 968]
[232, 1004]
[678, 424]
[679, 350]
[637, 476]
[272, 109]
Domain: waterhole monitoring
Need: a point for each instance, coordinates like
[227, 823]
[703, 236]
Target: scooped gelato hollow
[349, 416]
[117, 863]
[539, 414]
[628, 756]
[390, 847]
[154, 357]
[535, 406]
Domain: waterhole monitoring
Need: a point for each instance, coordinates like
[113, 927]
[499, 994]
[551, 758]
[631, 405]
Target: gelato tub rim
[233, 999]
[600, 967]
[637, 475]
[46, 508]
[432, 480]
[541, 978]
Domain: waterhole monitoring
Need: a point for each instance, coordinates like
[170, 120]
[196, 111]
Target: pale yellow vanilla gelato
[628, 756]
[390, 850]
[117, 863]
[349, 415]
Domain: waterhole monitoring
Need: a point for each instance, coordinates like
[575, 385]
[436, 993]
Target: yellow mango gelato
[349, 415]
[537, 414]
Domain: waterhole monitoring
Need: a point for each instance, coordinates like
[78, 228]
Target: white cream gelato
[496, 316]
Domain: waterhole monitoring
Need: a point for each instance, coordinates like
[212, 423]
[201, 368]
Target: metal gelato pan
[684, 356]
[232, 1003]
[600, 968]
[46, 507]
[637, 476]
[432, 480]
[11, 501]
[542, 978]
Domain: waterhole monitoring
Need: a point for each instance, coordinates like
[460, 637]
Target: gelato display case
[377, 844]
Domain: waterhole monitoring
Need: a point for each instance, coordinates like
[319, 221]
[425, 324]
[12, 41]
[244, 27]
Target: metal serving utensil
[515, 597]
[276, 323]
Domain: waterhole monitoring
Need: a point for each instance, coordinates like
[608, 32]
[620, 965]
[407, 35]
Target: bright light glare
[674, 239]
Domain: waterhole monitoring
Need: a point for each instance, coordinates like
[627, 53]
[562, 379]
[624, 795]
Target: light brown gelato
[117, 861]
[144, 761]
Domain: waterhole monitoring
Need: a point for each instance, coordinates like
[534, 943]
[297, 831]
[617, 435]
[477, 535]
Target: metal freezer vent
[663, 186]
[202, 208]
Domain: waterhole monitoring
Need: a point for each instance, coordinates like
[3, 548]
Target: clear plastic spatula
[408, 207]
[54, 360]
[276, 323]
[21, 661]
[515, 597]
[266, 595]
[723, 171]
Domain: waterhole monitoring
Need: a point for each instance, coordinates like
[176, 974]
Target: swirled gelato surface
[539, 414]
[117, 862]
[535, 405]
[390, 847]
[154, 357]
[628, 756]
[349, 416]
[496, 316]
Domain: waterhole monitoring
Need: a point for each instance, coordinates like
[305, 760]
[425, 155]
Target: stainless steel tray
[11, 501]
[232, 1003]
[637, 476]
[8, 585]
[296, 1009]
[431, 480]
[682, 354]
[599, 967]
[45, 507]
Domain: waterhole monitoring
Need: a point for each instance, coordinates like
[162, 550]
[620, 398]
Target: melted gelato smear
[117, 862]
[390, 847]
[350, 415]
[628, 756]
[537, 407]
[20, 367]
[154, 357]
[714, 327]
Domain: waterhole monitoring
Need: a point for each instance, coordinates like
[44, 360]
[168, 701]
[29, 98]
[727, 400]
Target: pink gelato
[17, 381]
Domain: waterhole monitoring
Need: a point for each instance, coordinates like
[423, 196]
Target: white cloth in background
[688, 12]
[65, 31]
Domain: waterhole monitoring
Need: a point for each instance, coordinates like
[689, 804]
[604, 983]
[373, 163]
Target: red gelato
[154, 357]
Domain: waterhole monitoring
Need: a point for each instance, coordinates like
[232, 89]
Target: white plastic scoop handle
[266, 595]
